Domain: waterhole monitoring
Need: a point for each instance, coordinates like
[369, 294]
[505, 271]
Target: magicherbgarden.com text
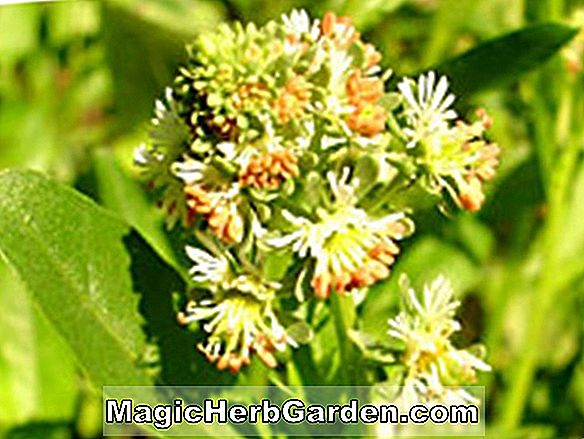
[291, 411]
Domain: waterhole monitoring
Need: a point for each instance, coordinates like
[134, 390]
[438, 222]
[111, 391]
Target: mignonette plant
[295, 166]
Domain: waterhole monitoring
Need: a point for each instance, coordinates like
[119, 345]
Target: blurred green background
[77, 84]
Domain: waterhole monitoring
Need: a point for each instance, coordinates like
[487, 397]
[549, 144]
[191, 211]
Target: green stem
[344, 316]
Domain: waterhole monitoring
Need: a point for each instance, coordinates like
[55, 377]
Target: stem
[344, 316]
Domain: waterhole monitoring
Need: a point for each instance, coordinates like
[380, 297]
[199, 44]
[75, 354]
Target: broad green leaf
[99, 283]
[73, 259]
[502, 60]
[37, 372]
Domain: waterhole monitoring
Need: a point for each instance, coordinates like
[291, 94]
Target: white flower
[438, 305]
[302, 142]
[228, 149]
[298, 23]
[351, 250]
[411, 395]
[272, 141]
[240, 321]
[207, 268]
[427, 111]
[435, 368]
[335, 105]
[343, 190]
[190, 171]
[340, 62]
[306, 240]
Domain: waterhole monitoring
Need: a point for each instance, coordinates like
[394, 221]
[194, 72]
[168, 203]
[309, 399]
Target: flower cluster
[350, 249]
[454, 156]
[239, 317]
[434, 367]
[284, 139]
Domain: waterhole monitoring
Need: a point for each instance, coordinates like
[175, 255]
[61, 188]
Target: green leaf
[72, 257]
[99, 283]
[502, 60]
[37, 372]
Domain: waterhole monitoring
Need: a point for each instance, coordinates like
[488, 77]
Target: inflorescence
[285, 140]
